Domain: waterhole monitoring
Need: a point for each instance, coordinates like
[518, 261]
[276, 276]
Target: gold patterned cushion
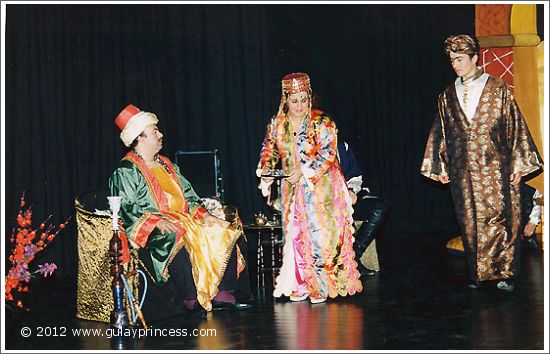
[94, 299]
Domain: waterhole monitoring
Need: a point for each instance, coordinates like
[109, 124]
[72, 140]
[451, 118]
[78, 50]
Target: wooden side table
[269, 239]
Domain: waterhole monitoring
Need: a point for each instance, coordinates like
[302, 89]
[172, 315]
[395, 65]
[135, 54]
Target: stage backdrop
[212, 75]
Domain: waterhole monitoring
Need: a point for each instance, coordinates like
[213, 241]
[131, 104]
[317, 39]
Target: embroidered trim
[143, 228]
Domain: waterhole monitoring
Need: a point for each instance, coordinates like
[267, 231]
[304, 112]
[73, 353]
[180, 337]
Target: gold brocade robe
[479, 156]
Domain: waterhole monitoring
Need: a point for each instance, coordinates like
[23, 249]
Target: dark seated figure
[530, 216]
[367, 207]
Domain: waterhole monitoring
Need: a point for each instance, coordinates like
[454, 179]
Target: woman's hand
[166, 226]
[268, 180]
[353, 197]
[294, 176]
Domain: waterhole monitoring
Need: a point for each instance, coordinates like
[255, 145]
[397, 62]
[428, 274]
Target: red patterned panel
[493, 20]
[498, 62]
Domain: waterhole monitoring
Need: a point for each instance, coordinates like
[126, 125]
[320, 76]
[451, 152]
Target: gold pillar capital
[509, 40]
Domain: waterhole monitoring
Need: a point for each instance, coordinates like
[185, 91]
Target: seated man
[367, 207]
[530, 215]
[163, 216]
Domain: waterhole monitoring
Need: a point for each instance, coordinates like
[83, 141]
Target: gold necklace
[156, 159]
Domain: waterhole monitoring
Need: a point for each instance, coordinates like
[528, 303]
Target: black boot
[363, 238]
[372, 210]
[360, 267]
[367, 231]
[359, 248]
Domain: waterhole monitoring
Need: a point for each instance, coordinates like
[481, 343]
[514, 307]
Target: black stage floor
[419, 301]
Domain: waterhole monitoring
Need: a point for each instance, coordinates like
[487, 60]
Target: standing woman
[318, 257]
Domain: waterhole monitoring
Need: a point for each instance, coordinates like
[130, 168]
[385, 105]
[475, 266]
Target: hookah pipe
[119, 316]
[136, 307]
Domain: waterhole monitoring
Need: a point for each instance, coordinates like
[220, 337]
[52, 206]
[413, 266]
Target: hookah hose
[136, 309]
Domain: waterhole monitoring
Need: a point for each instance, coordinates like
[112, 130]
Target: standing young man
[480, 144]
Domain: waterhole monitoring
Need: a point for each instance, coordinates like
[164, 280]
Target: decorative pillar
[511, 49]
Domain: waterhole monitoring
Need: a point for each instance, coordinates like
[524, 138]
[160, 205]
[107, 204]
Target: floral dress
[318, 257]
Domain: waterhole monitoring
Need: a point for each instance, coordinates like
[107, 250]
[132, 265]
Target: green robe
[139, 213]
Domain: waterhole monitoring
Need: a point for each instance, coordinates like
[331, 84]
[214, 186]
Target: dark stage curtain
[212, 75]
